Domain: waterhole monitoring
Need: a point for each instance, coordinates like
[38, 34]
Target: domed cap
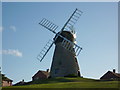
[66, 34]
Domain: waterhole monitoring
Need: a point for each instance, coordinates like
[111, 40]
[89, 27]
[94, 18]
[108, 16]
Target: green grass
[64, 82]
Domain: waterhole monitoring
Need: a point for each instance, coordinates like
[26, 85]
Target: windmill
[64, 61]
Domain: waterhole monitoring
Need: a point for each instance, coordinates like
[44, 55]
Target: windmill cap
[66, 34]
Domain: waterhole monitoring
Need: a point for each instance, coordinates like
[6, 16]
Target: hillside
[65, 82]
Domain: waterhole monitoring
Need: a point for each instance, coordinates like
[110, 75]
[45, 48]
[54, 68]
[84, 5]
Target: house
[6, 81]
[20, 83]
[111, 75]
[41, 75]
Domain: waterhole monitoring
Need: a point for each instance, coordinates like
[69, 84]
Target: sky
[23, 38]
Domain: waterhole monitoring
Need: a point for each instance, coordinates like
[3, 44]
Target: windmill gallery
[64, 61]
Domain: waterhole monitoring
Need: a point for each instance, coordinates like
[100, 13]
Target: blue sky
[23, 38]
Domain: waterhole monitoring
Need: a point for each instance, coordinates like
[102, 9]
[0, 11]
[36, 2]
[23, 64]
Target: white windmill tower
[64, 61]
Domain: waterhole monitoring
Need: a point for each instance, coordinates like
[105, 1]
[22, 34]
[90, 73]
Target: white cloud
[1, 28]
[13, 28]
[11, 52]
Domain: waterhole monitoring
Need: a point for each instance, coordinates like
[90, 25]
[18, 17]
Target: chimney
[23, 80]
[47, 70]
[114, 70]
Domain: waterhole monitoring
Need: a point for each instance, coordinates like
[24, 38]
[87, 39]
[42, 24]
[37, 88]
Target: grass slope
[64, 82]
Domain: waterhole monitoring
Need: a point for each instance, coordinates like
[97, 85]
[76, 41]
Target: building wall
[6, 83]
[64, 62]
[39, 76]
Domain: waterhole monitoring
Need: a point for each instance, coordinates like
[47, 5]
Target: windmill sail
[72, 47]
[49, 25]
[45, 50]
[72, 20]
[67, 44]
